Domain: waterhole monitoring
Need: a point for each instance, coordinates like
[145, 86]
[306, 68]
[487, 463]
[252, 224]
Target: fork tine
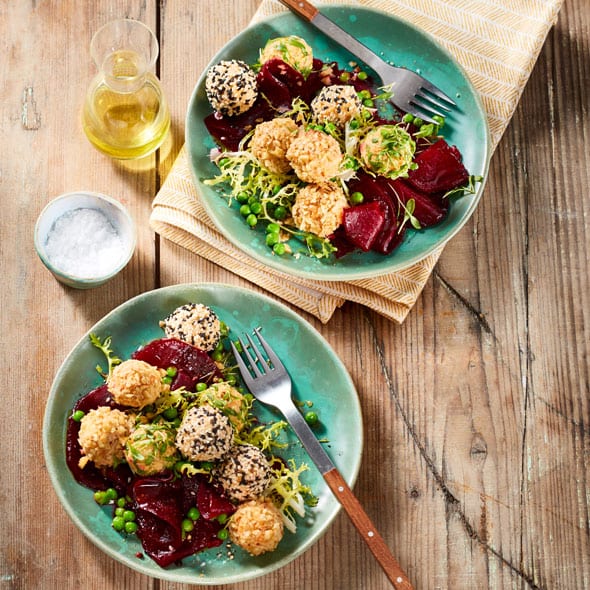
[272, 357]
[433, 100]
[428, 109]
[241, 364]
[251, 359]
[435, 91]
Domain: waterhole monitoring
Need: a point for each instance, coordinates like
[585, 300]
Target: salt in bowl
[84, 238]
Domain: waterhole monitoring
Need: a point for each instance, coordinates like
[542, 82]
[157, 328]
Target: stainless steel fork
[411, 92]
[269, 382]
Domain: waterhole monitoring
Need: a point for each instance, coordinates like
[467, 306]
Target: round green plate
[318, 375]
[401, 44]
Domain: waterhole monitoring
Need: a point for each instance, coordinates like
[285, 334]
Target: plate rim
[360, 272]
[162, 573]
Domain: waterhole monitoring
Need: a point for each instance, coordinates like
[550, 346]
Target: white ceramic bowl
[114, 212]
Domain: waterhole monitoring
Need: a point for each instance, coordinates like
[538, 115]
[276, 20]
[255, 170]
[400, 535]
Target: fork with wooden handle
[411, 92]
[268, 380]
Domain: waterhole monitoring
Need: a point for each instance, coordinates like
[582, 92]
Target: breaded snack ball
[244, 473]
[319, 208]
[231, 87]
[256, 526]
[150, 449]
[293, 50]
[102, 436]
[194, 323]
[336, 104]
[135, 383]
[270, 143]
[314, 156]
[204, 434]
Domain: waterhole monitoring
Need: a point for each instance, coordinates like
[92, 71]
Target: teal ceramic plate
[319, 376]
[399, 43]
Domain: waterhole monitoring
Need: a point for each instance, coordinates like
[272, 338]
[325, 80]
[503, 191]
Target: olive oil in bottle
[125, 113]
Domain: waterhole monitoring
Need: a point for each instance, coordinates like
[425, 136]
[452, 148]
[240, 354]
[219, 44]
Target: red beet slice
[440, 169]
[280, 83]
[194, 365]
[212, 504]
[426, 210]
[363, 223]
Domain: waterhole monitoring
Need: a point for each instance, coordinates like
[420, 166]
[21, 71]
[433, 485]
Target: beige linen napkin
[497, 43]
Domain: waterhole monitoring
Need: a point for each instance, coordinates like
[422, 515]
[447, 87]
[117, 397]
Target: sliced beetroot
[229, 131]
[440, 169]
[363, 224]
[373, 191]
[193, 365]
[279, 83]
[211, 503]
[427, 210]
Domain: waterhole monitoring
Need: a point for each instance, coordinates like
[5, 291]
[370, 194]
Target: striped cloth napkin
[496, 41]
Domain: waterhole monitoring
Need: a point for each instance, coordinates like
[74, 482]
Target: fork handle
[367, 529]
[310, 13]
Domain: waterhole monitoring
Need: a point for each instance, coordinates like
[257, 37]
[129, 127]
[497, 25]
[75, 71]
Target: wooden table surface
[476, 409]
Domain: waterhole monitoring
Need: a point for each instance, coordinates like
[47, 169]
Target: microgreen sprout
[105, 347]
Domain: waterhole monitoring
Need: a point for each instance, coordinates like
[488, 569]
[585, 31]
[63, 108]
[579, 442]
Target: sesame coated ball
[204, 434]
[244, 473]
[102, 436]
[314, 156]
[194, 323]
[319, 208]
[336, 104]
[270, 142]
[229, 401]
[135, 383]
[293, 50]
[256, 526]
[231, 87]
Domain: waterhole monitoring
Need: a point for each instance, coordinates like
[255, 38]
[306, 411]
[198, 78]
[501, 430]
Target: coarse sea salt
[84, 243]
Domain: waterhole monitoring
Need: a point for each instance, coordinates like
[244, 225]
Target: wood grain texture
[476, 410]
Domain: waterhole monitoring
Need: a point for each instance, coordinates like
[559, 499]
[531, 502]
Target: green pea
[111, 494]
[279, 249]
[354, 124]
[231, 379]
[280, 212]
[245, 210]
[100, 497]
[131, 527]
[202, 386]
[77, 415]
[222, 534]
[273, 228]
[118, 523]
[362, 75]
[312, 418]
[357, 198]
[407, 118]
[251, 220]
[418, 122]
[187, 525]
[119, 511]
[167, 379]
[170, 413]
[272, 239]
[128, 515]
[194, 513]
[171, 371]
[217, 356]
[368, 102]
[121, 502]
[344, 77]
[243, 197]
[222, 518]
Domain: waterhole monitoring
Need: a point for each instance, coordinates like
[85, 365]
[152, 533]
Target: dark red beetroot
[373, 191]
[193, 365]
[426, 210]
[363, 223]
[161, 504]
[440, 169]
[280, 83]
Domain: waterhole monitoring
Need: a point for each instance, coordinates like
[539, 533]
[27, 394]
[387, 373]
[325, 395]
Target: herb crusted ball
[231, 87]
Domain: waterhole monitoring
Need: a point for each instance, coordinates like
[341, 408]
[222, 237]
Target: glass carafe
[125, 113]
